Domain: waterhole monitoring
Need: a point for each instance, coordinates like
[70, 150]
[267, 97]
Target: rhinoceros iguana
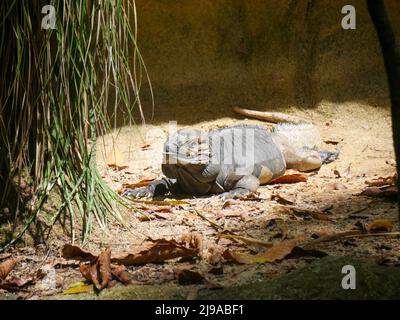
[238, 159]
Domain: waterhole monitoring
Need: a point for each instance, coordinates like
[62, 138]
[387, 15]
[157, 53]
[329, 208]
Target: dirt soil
[330, 201]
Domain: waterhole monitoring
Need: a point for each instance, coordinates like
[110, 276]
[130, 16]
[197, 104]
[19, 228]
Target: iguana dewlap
[233, 160]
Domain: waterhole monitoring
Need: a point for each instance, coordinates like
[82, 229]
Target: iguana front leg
[243, 187]
[154, 189]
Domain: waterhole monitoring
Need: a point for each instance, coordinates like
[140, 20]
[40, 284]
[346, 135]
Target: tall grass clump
[57, 87]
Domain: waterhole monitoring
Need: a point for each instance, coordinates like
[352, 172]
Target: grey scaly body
[233, 160]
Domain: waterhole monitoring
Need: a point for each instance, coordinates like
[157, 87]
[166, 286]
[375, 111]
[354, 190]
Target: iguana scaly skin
[235, 160]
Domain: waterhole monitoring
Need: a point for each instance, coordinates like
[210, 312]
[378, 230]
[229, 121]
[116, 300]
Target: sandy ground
[362, 132]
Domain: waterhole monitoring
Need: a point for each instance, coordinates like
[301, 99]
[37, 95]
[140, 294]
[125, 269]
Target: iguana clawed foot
[328, 156]
[146, 192]
[154, 189]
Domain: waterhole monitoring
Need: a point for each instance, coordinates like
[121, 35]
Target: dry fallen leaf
[162, 209]
[282, 199]
[6, 267]
[150, 252]
[14, 285]
[384, 191]
[278, 252]
[382, 181]
[104, 267]
[291, 176]
[380, 225]
[155, 252]
[115, 159]
[333, 141]
[145, 146]
[145, 181]
[74, 252]
[122, 274]
[99, 271]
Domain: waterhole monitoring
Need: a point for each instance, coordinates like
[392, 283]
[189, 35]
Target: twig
[223, 233]
[314, 213]
[213, 224]
[43, 261]
[247, 240]
[351, 234]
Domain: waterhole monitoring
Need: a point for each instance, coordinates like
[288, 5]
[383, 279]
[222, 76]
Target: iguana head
[187, 148]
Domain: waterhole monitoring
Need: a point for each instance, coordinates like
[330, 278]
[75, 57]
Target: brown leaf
[6, 267]
[381, 225]
[84, 268]
[145, 181]
[17, 284]
[155, 252]
[144, 218]
[382, 181]
[282, 199]
[98, 272]
[118, 167]
[278, 252]
[122, 274]
[74, 252]
[115, 160]
[291, 176]
[104, 267]
[11, 287]
[384, 191]
[145, 146]
[333, 141]
[94, 275]
[91, 273]
[163, 209]
[150, 252]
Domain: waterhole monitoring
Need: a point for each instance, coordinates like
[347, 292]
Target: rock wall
[207, 55]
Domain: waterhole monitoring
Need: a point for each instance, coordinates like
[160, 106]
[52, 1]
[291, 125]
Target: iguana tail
[300, 132]
[275, 117]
